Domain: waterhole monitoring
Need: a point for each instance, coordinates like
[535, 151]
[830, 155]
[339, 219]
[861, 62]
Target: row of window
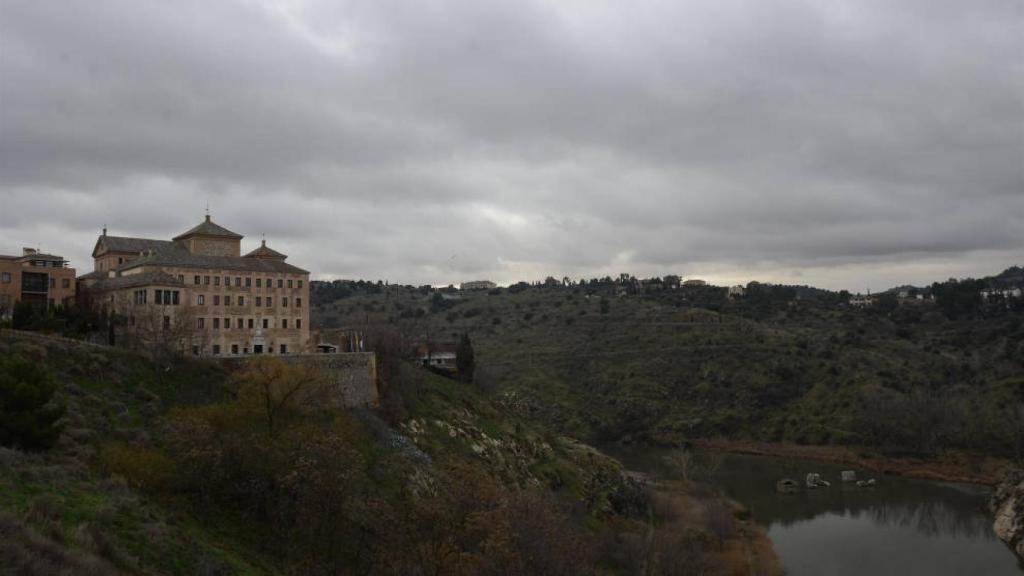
[164, 297]
[5, 278]
[205, 280]
[256, 349]
[240, 300]
[242, 323]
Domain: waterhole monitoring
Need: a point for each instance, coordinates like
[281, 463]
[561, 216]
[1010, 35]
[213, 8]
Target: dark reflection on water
[902, 526]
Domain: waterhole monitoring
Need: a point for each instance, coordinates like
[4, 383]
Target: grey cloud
[433, 142]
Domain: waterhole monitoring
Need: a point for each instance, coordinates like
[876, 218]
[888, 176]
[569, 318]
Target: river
[900, 527]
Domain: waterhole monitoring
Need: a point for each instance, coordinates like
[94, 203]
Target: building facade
[478, 285]
[197, 293]
[44, 280]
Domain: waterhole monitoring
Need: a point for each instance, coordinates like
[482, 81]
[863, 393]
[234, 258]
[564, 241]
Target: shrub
[29, 415]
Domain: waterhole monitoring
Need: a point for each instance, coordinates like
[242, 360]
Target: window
[216, 349]
[158, 296]
[140, 296]
[298, 302]
[206, 280]
[250, 323]
[227, 323]
[197, 280]
[239, 324]
[284, 323]
[248, 282]
[65, 283]
[216, 300]
[174, 298]
[120, 260]
[216, 323]
[234, 349]
[289, 282]
[270, 301]
[227, 281]
[53, 282]
[181, 278]
[259, 301]
[5, 277]
[241, 300]
[280, 283]
[238, 280]
[195, 350]
[259, 282]
[266, 324]
[227, 300]
[298, 323]
[284, 302]
[284, 348]
[201, 299]
[202, 322]
[216, 280]
[300, 283]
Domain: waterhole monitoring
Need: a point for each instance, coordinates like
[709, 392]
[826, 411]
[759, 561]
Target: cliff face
[1008, 506]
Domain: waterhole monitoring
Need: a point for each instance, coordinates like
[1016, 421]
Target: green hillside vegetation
[179, 468]
[609, 362]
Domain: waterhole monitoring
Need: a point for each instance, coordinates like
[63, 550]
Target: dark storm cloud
[833, 142]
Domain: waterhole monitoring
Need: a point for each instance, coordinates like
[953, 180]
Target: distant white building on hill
[478, 285]
[1006, 294]
[862, 301]
[737, 291]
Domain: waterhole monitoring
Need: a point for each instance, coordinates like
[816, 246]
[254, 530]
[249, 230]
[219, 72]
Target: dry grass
[24, 552]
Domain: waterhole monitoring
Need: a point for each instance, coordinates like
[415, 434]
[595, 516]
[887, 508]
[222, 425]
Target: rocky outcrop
[1008, 506]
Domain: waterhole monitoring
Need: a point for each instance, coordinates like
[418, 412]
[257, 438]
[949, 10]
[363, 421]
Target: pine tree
[28, 415]
[464, 359]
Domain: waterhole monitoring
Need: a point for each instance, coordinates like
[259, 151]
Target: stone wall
[352, 377]
[1008, 506]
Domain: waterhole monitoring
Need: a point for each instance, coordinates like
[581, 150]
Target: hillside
[606, 363]
[176, 469]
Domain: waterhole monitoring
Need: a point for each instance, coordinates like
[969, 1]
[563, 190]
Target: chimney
[104, 229]
[207, 217]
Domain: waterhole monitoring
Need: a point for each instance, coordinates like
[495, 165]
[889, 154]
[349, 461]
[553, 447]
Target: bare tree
[274, 387]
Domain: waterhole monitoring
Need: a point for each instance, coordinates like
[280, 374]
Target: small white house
[862, 301]
[737, 291]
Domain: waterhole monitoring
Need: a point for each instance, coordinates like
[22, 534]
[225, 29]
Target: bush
[29, 415]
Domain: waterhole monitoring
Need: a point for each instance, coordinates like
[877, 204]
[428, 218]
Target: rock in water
[1007, 504]
[814, 480]
[848, 476]
[787, 486]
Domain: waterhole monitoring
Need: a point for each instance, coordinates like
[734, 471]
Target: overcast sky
[836, 143]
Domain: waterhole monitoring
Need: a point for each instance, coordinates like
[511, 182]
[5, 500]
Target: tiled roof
[185, 259]
[132, 280]
[264, 252]
[135, 245]
[208, 228]
[95, 274]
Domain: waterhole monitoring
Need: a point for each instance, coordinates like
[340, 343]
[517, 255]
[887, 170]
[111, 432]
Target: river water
[900, 527]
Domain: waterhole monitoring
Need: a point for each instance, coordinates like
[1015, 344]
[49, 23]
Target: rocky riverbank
[951, 467]
[1008, 506]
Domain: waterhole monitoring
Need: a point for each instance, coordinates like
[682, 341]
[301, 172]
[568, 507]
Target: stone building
[42, 279]
[478, 285]
[198, 293]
